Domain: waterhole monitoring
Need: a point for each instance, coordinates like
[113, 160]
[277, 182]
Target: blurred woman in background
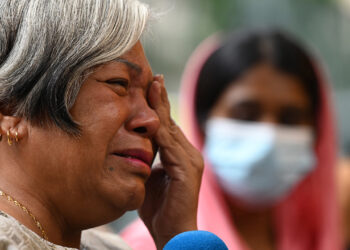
[257, 105]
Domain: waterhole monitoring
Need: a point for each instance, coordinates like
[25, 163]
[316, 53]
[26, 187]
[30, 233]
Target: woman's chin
[130, 199]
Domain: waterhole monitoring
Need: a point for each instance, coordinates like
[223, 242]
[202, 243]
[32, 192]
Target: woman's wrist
[162, 240]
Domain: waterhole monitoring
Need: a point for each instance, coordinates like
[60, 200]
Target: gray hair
[48, 46]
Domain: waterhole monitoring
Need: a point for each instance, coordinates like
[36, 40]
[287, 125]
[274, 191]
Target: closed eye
[122, 82]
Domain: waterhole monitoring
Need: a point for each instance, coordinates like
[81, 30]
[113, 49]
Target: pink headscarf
[306, 220]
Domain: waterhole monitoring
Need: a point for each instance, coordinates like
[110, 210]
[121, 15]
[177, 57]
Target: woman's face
[264, 94]
[104, 170]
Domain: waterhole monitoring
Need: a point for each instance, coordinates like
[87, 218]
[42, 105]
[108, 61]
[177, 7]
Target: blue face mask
[258, 163]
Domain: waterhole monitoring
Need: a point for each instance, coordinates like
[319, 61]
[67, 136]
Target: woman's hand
[171, 201]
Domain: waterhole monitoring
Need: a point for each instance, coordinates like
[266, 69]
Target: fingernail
[159, 76]
[157, 86]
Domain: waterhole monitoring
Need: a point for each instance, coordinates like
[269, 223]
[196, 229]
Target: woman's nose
[144, 120]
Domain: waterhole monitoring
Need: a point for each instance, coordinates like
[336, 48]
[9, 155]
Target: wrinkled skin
[71, 184]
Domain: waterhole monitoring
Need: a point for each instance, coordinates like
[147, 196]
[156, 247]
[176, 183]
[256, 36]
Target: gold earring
[9, 139]
[16, 136]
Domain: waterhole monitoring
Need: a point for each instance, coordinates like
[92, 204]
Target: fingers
[164, 95]
[168, 132]
[158, 99]
[174, 149]
[171, 198]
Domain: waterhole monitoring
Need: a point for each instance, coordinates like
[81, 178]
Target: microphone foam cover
[199, 240]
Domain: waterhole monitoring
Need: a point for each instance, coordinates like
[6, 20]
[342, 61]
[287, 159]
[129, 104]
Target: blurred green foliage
[322, 25]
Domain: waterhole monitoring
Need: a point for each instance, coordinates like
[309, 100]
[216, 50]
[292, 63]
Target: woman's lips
[136, 155]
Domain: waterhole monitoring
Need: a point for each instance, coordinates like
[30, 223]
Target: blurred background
[322, 25]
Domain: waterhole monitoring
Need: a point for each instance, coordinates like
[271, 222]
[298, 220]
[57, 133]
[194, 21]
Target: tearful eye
[122, 82]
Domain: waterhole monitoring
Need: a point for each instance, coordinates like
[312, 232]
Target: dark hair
[242, 51]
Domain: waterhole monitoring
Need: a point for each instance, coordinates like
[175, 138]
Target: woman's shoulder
[15, 236]
[102, 240]
[7, 236]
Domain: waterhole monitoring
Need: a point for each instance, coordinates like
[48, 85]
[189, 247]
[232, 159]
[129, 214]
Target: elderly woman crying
[82, 117]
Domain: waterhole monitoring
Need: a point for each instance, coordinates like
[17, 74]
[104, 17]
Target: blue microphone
[198, 240]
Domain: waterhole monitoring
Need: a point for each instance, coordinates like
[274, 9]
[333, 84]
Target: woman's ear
[13, 128]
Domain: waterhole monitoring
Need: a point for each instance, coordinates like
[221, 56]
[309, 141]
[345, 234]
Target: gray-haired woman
[82, 118]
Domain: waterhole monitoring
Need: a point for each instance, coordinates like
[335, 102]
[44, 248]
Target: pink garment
[307, 220]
